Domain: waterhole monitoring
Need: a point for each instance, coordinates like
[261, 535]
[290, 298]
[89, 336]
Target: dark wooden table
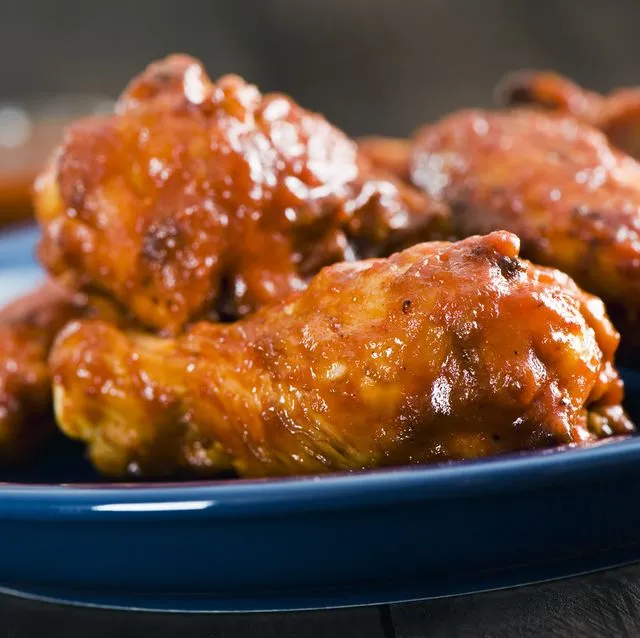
[605, 604]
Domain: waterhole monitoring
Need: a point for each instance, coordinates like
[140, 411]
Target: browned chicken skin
[443, 351]
[555, 181]
[27, 330]
[617, 114]
[573, 200]
[201, 199]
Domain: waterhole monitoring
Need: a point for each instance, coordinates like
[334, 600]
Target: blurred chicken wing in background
[27, 330]
[617, 114]
[556, 182]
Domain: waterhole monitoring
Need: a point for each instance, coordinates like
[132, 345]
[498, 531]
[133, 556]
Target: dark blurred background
[371, 66]
[381, 66]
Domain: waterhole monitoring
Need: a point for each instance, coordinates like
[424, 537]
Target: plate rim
[339, 491]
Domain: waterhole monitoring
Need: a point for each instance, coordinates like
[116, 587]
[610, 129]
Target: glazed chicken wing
[390, 154]
[572, 199]
[27, 330]
[443, 351]
[209, 199]
[617, 114]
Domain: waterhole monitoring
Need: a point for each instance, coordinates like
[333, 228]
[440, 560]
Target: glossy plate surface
[385, 536]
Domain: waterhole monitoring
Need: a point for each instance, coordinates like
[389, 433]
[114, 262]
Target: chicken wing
[617, 114]
[572, 199]
[27, 330]
[209, 199]
[390, 154]
[443, 351]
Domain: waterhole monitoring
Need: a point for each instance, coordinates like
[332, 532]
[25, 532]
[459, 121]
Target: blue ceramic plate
[392, 535]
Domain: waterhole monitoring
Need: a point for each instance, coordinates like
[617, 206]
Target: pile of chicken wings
[235, 285]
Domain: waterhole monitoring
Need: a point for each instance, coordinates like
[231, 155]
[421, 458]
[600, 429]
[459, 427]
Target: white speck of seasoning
[290, 214]
[598, 177]
[480, 126]
[193, 85]
[297, 187]
[582, 176]
[158, 169]
[256, 193]
[335, 371]
[107, 387]
[276, 110]
[240, 288]
[285, 137]
[440, 393]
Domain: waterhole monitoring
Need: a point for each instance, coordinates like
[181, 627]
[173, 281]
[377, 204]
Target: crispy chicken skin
[617, 114]
[27, 330]
[209, 199]
[443, 351]
[573, 200]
